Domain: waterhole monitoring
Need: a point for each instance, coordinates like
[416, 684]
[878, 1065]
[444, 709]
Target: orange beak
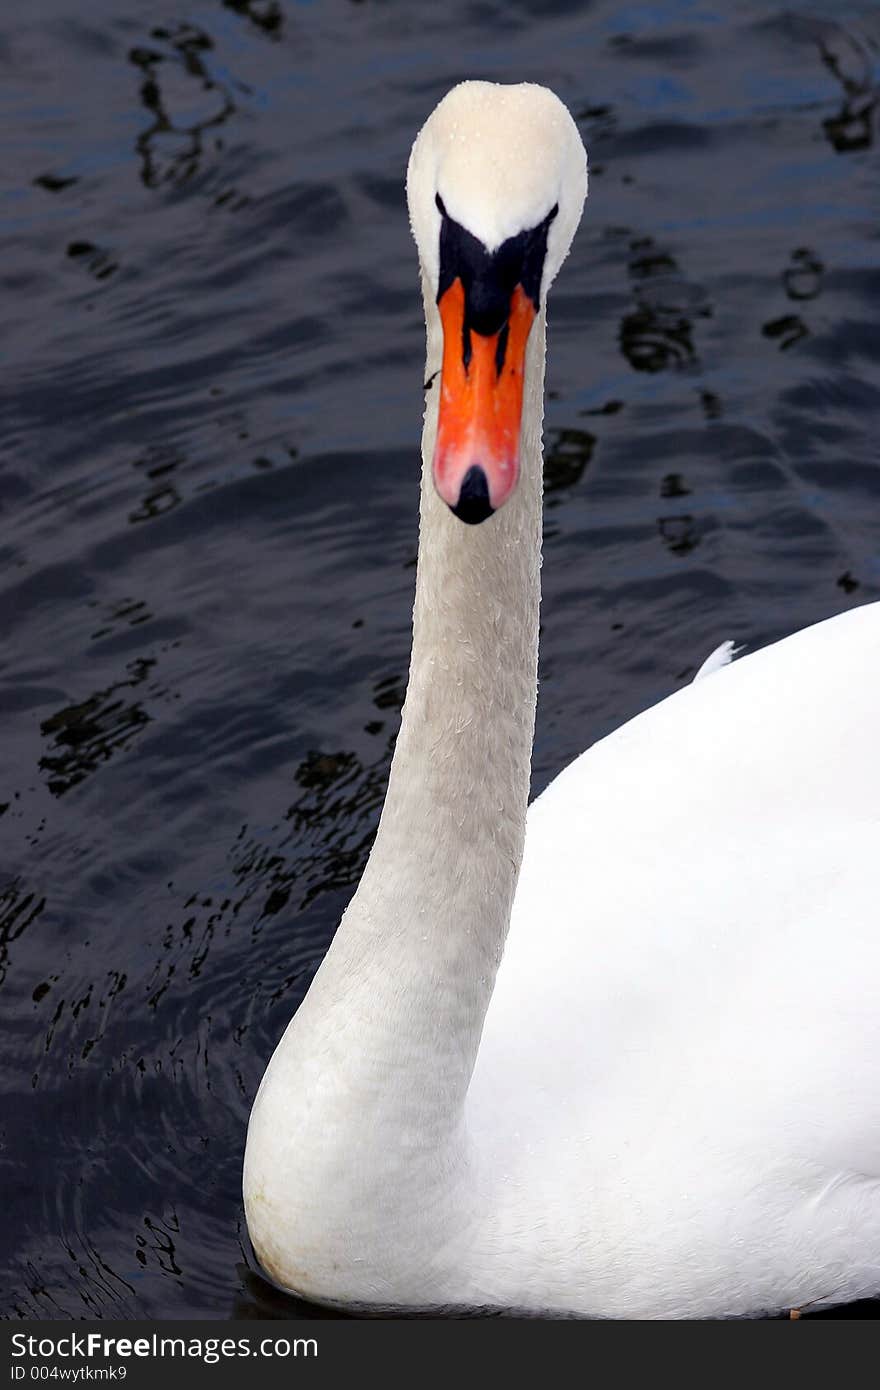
[476, 456]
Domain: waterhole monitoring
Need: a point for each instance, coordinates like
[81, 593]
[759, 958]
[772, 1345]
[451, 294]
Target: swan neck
[434, 904]
[362, 1109]
[399, 1001]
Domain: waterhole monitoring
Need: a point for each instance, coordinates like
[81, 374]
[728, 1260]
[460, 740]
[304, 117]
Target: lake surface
[210, 408]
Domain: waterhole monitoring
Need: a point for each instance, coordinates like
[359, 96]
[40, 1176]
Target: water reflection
[19, 908]
[260, 1300]
[673, 485]
[848, 59]
[265, 14]
[803, 278]
[339, 808]
[89, 733]
[53, 183]
[786, 330]
[171, 149]
[98, 262]
[659, 333]
[679, 533]
[566, 455]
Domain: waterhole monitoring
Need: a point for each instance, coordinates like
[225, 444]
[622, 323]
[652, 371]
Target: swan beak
[476, 456]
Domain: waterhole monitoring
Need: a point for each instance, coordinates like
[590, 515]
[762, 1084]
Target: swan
[618, 1056]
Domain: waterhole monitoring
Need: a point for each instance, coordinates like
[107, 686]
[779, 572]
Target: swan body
[659, 1098]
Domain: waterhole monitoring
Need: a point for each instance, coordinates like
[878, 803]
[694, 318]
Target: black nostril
[473, 504]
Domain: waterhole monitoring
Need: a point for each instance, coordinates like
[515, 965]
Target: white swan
[665, 1102]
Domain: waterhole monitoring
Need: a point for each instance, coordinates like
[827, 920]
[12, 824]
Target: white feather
[721, 656]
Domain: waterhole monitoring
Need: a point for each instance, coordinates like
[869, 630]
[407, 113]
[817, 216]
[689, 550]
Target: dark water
[210, 405]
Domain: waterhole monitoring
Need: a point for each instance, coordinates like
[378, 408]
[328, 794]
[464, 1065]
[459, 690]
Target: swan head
[496, 184]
